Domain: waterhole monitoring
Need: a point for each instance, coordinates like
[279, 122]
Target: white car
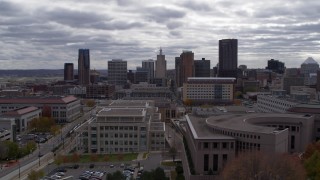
[55, 177]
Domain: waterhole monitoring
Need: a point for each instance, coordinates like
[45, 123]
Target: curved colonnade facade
[214, 140]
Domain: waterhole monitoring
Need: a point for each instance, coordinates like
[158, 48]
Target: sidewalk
[140, 156]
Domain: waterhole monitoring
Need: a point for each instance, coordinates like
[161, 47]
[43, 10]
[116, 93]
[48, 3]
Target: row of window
[234, 134]
[130, 128]
[120, 143]
[116, 135]
[216, 145]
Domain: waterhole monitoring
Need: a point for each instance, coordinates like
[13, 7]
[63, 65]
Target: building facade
[124, 127]
[228, 58]
[202, 68]
[62, 109]
[68, 72]
[84, 67]
[100, 91]
[161, 65]
[217, 139]
[276, 66]
[148, 65]
[208, 90]
[22, 117]
[117, 72]
[184, 67]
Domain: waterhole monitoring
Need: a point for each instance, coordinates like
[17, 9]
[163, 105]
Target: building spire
[160, 51]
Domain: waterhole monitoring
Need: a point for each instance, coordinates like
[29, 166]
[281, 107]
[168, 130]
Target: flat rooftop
[200, 130]
[250, 122]
[120, 112]
[129, 103]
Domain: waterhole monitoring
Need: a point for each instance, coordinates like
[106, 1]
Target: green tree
[115, 176]
[157, 174]
[3, 150]
[312, 166]
[35, 175]
[13, 149]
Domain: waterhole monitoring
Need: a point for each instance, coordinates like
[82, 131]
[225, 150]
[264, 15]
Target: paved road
[43, 149]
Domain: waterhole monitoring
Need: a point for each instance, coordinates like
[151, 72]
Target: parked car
[111, 166]
[91, 166]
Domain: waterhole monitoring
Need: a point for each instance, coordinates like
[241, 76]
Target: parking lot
[84, 171]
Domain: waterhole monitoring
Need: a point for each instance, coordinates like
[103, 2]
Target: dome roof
[310, 60]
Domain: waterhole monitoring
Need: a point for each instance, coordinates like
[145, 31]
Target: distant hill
[39, 72]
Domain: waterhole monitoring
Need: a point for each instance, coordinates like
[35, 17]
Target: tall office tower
[202, 68]
[161, 65]
[228, 58]
[117, 72]
[68, 71]
[276, 66]
[84, 67]
[148, 65]
[184, 67]
[291, 77]
[309, 70]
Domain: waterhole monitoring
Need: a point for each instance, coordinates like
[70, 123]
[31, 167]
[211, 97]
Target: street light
[39, 152]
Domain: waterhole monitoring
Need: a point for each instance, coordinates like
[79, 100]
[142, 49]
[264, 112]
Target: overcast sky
[47, 33]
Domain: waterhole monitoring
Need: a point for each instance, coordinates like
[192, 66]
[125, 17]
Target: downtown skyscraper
[184, 66]
[84, 67]
[117, 72]
[161, 65]
[228, 58]
[68, 71]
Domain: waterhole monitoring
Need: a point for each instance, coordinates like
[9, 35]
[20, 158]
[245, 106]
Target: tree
[90, 103]
[35, 175]
[257, 165]
[58, 160]
[312, 166]
[75, 157]
[3, 150]
[120, 157]
[157, 174]
[13, 150]
[188, 102]
[94, 157]
[42, 124]
[311, 148]
[115, 176]
[106, 158]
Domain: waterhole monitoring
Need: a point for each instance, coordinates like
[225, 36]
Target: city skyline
[35, 35]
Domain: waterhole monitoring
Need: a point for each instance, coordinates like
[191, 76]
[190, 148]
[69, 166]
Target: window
[224, 145]
[215, 162]
[292, 142]
[215, 145]
[206, 162]
[224, 159]
[205, 145]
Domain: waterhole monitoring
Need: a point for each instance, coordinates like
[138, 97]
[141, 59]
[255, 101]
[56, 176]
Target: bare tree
[261, 166]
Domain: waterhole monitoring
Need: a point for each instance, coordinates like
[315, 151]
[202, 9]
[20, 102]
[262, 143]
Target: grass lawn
[104, 157]
[168, 163]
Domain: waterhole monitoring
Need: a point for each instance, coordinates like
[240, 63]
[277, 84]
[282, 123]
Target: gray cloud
[162, 14]
[197, 6]
[32, 32]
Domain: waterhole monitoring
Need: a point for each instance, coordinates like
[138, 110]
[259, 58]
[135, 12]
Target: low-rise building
[123, 127]
[22, 117]
[210, 90]
[62, 109]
